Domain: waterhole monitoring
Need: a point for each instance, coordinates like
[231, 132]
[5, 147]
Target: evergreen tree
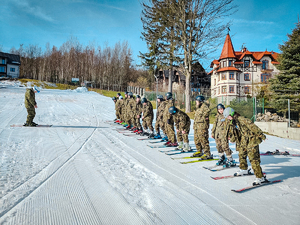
[286, 85]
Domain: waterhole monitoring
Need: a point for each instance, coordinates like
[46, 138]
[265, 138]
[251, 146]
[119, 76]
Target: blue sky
[258, 24]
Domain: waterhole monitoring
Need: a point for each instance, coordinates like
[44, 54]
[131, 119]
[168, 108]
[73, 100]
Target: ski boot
[139, 132]
[172, 144]
[221, 161]
[136, 130]
[205, 157]
[186, 147]
[26, 125]
[167, 143]
[165, 138]
[157, 136]
[151, 135]
[230, 162]
[197, 154]
[259, 181]
[180, 146]
[242, 172]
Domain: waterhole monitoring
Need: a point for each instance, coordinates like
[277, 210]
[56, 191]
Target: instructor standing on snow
[30, 105]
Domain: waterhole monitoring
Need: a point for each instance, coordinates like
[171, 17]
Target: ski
[167, 150]
[129, 135]
[19, 125]
[220, 168]
[187, 157]
[153, 142]
[181, 152]
[199, 160]
[159, 146]
[277, 152]
[232, 176]
[255, 186]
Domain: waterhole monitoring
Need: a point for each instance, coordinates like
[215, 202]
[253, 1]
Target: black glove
[168, 121]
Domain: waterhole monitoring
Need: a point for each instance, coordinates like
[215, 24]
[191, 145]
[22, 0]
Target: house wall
[12, 74]
[239, 81]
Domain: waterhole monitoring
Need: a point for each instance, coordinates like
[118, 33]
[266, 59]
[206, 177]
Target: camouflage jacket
[30, 98]
[130, 108]
[147, 110]
[166, 114]
[244, 132]
[160, 110]
[201, 119]
[182, 121]
[138, 108]
[118, 105]
[220, 128]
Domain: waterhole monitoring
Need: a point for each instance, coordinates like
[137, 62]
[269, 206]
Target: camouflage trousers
[137, 122]
[223, 146]
[159, 125]
[201, 141]
[147, 123]
[254, 158]
[184, 137]
[31, 115]
[170, 131]
[118, 114]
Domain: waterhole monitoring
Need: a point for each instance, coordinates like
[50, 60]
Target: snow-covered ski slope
[83, 171]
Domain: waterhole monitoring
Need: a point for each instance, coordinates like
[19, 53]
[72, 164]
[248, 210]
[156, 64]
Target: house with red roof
[236, 73]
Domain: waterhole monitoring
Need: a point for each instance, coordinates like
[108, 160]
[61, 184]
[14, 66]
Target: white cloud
[253, 22]
[32, 10]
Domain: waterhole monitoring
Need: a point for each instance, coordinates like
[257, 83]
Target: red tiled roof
[231, 68]
[210, 72]
[227, 51]
[275, 62]
[238, 62]
[257, 62]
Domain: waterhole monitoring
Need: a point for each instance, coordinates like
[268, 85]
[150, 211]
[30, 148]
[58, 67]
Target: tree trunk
[187, 92]
[170, 79]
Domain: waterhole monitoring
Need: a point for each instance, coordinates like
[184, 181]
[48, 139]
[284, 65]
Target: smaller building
[9, 65]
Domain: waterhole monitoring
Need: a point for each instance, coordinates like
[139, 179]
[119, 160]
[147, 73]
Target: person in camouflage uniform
[125, 110]
[121, 108]
[159, 124]
[137, 115]
[201, 125]
[147, 116]
[168, 121]
[130, 109]
[219, 133]
[247, 136]
[30, 105]
[182, 124]
[118, 109]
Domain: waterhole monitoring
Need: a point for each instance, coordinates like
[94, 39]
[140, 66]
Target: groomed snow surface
[83, 171]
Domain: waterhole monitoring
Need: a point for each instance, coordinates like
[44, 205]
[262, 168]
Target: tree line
[108, 68]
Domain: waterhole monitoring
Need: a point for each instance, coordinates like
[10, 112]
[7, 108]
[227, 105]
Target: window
[224, 76]
[3, 61]
[218, 90]
[215, 92]
[2, 69]
[237, 76]
[265, 64]
[224, 89]
[215, 82]
[247, 90]
[264, 77]
[12, 69]
[231, 75]
[231, 89]
[224, 64]
[247, 63]
[247, 77]
[219, 78]
[230, 63]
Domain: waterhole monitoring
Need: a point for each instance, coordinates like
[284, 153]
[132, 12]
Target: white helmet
[228, 112]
